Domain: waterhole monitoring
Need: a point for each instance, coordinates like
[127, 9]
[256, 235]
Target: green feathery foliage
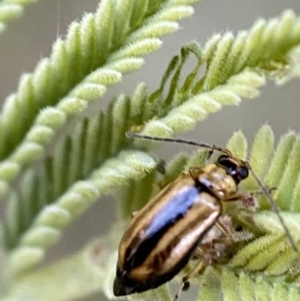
[71, 181]
[10, 10]
[97, 158]
[95, 54]
[235, 68]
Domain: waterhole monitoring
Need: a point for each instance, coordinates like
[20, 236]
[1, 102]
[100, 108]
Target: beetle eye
[233, 168]
[243, 172]
[228, 164]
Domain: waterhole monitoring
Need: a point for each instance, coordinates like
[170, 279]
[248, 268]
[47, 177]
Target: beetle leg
[246, 195]
[247, 198]
[185, 284]
[203, 260]
[224, 230]
[241, 196]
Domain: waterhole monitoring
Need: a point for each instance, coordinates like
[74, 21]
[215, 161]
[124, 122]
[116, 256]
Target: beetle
[163, 236]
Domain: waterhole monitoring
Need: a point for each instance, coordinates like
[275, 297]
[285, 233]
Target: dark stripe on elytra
[193, 223]
[150, 207]
[167, 217]
[155, 207]
[143, 219]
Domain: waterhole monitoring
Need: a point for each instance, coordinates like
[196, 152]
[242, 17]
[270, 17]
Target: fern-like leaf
[239, 287]
[95, 54]
[235, 68]
[81, 170]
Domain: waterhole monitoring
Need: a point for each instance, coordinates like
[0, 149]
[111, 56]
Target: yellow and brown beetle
[165, 233]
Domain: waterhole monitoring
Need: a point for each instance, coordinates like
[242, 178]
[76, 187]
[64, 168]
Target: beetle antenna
[274, 207]
[178, 140]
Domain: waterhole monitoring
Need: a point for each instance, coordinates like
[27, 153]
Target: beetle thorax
[217, 180]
